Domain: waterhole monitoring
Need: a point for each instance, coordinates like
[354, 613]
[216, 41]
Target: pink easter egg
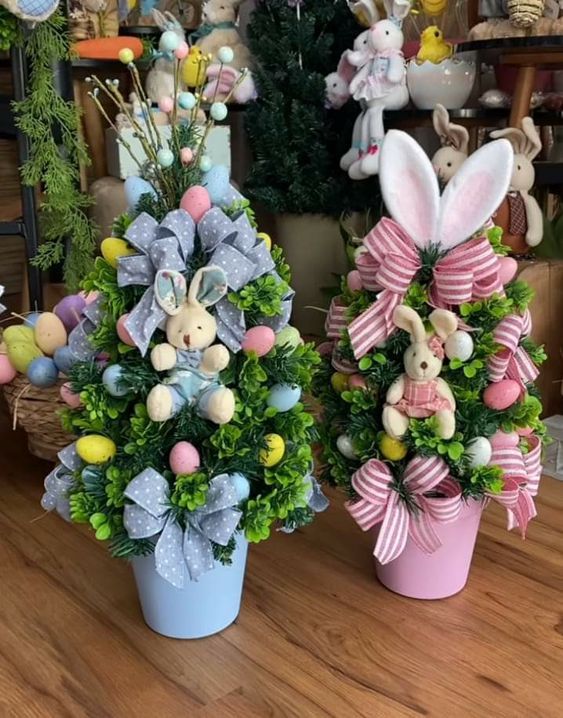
[508, 267]
[89, 297]
[357, 381]
[501, 394]
[325, 349]
[259, 340]
[69, 397]
[525, 431]
[122, 332]
[196, 202]
[504, 440]
[181, 51]
[166, 104]
[7, 371]
[184, 458]
[354, 281]
[186, 155]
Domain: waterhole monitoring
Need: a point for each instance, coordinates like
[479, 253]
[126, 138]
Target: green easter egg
[21, 347]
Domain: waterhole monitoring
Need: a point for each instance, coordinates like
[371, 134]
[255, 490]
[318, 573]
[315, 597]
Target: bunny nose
[423, 365]
[187, 340]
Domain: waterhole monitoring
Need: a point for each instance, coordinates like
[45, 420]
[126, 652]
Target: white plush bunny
[520, 215]
[219, 29]
[194, 364]
[160, 78]
[380, 83]
[420, 393]
[455, 145]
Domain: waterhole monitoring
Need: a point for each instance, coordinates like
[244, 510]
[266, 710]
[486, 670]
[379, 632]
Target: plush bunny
[455, 145]
[380, 83]
[160, 78]
[218, 29]
[193, 364]
[420, 392]
[519, 214]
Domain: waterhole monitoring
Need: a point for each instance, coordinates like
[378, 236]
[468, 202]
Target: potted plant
[186, 381]
[430, 409]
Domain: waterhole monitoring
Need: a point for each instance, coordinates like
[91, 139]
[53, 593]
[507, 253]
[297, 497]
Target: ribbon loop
[512, 361]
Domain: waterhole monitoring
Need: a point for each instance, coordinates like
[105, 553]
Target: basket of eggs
[35, 360]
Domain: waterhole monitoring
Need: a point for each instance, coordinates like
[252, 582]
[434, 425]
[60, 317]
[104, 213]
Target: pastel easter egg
[182, 50]
[95, 449]
[284, 397]
[69, 310]
[184, 458]
[288, 337]
[126, 55]
[479, 452]
[50, 333]
[508, 267]
[89, 297]
[266, 239]
[205, 163]
[196, 202]
[69, 397]
[42, 372]
[501, 394]
[339, 382]
[123, 332]
[113, 248]
[218, 111]
[169, 41]
[7, 371]
[357, 381]
[391, 448]
[225, 54]
[504, 439]
[459, 345]
[111, 380]
[325, 349]
[165, 158]
[187, 100]
[525, 431]
[217, 182]
[21, 348]
[135, 188]
[186, 155]
[166, 104]
[242, 486]
[354, 281]
[31, 319]
[259, 340]
[64, 359]
[274, 452]
[346, 447]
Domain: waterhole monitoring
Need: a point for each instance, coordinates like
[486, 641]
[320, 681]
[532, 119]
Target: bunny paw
[160, 404]
[221, 406]
[348, 159]
[369, 163]
[355, 172]
[394, 422]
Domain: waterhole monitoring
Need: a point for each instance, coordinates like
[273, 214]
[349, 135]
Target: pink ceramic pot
[443, 573]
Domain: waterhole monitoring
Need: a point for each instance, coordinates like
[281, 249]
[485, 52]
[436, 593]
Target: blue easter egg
[31, 319]
[217, 182]
[110, 379]
[284, 397]
[64, 359]
[226, 54]
[134, 188]
[169, 41]
[165, 158]
[43, 372]
[205, 163]
[242, 486]
[187, 100]
[218, 111]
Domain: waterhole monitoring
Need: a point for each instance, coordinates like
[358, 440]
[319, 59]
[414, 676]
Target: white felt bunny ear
[409, 186]
[474, 193]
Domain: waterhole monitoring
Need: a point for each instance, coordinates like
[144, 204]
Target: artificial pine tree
[296, 141]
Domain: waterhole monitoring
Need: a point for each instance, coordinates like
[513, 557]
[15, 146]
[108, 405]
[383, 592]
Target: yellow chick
[433, 47]
[193, 68]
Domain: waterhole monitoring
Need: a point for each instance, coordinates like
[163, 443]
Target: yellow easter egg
[21, 347]
[274, 453]
[266, 239]
[113, 248]
[339, 382]
[50, 333]
[95, 449]
[392, 449]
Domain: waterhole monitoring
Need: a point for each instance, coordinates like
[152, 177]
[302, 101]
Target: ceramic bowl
[450, 83]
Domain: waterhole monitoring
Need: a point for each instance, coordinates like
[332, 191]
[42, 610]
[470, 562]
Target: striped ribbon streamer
[513, 361]
[380, 503]
[336, 321]
[391, 262]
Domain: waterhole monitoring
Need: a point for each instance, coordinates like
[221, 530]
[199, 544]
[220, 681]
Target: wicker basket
[37, 412]
[524, 13]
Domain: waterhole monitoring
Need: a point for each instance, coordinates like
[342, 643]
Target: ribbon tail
[423, 533]
[144, 319]
[169, 556]
[375, 325]
[394, 531]
[198, 553]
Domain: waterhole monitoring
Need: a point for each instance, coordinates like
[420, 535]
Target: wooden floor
[317, 635]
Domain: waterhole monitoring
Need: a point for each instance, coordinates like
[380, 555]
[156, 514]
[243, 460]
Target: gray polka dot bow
[78, 339]
[59, 482]
[316, 500]
[181, 554]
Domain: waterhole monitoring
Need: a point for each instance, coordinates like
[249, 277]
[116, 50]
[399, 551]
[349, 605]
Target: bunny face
[337, 92]
[421, 363]
[216, 11]
[447, 161]
[190, 325]
[385, 35]
[523, 174]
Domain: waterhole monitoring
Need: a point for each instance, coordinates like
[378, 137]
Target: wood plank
[317, 635]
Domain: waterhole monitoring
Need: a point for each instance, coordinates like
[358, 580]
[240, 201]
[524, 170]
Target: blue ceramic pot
[202, 607]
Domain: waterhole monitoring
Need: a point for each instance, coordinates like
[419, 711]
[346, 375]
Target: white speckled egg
[284, 397]
[459, 345]
[345, 446]
[479, 452]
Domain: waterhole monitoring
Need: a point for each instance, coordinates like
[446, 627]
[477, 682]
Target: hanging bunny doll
[454, 140]
[193, 364]
[379, 83]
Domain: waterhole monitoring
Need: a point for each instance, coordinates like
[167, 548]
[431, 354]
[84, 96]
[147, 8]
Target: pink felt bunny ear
[474, 193]
[409, 186]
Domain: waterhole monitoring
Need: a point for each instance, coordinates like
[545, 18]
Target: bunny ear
[533, 141]
[409, 186]
[345, 69]
[170, 291]
[444, 322]
[474, 193]
[406, 318]
[208, 286]
[441, 122]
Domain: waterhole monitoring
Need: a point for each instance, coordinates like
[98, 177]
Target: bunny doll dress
[374, 83]
[421, 399]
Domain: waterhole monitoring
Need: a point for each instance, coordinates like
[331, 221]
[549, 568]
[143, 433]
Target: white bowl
[449, 82]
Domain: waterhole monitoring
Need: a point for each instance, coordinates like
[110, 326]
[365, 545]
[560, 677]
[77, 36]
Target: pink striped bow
[336, 321]
[391, 262]
[379, 502]
[513, 361]
[521, 482]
